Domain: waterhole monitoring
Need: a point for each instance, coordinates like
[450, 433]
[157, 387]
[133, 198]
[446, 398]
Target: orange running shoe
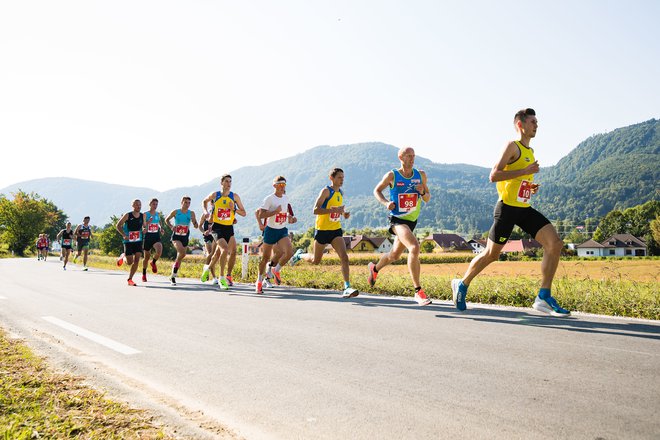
[131, 283]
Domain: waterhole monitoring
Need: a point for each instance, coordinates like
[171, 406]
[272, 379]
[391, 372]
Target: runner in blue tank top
[153, 247]
[181, 232]
[408, 190]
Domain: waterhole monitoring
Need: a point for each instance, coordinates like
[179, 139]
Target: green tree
[635, 221]
[24, 218]
[655, 229]
[427, 247]
[110, 242]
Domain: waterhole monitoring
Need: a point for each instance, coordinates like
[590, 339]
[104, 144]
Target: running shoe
[550, 307]
[61, 258]
[258, 287]
[267, 283]
[277, 277]
[421, 298]
[296, 257]
[63, 267]
[372, 274]
[120, 260]
[205, 273]
[349, 292]
[131, 283]
[173, 281]
[269, 270]
[215, 281]
[154, 268]
[223, 284]
[458, 294]
[85, 268]
[230, 282]
[144, 278]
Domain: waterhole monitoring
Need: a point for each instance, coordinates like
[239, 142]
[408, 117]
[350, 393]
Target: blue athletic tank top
[407, 200]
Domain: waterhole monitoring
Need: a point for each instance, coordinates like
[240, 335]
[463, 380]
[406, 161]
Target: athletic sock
[544, 293]
[347, 284]
[417, 289]
[144, 272]
[278, 267]
[261, 278]
[374, 269]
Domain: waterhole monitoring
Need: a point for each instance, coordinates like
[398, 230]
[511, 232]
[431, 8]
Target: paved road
[306, 364]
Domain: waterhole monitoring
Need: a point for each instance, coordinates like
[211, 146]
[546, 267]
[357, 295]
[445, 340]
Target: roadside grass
[36, 402]
[622, 287]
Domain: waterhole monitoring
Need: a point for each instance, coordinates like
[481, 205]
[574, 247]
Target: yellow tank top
[223, 211]
[517, 192]
[330, 222]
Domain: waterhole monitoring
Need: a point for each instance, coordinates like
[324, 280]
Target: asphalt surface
[303, 364]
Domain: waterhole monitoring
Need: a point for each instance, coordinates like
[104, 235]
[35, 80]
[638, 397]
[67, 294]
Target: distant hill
[615, 170]
[462, 196]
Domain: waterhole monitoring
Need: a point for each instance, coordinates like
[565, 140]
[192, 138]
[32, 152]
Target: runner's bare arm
[170, 217]
[509, 155]
[120, 223]
[206, 201]
[424, 190]
[387, 181]
[241, 209]
[193, 218]
[323, 195]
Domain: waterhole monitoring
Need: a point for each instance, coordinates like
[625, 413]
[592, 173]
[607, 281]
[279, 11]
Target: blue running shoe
[296, 257]
[458, 294]
[550, 307]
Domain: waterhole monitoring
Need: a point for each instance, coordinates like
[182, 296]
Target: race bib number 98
[134, 236]
[407, 202]
[525, 191]
[181, 229]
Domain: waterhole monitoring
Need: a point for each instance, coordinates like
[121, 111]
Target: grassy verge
[38, 403]
[617, 297]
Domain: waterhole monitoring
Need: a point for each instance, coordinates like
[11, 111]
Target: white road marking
[94, 337]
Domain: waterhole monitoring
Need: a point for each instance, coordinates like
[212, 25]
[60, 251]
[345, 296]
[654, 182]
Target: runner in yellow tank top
[329, 209]
[514, 174]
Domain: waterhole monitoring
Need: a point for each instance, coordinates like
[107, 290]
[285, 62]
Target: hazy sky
[165, 94]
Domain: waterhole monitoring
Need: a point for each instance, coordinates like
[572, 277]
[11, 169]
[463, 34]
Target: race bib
[525, 191]
[153, 227]
[84, 235]
[224, 214]
[181, 230]
[134, 236]
[66, 242]
[280, 218]
[407, 202]
[335, 216]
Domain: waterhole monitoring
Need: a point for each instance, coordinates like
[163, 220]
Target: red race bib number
[134, 236]
[181, 230]
[280, 218]
[84, 235]
[66, 242]
[407, 202]
[335, 216]
[525, 191]
[224, 214]
[153, 227]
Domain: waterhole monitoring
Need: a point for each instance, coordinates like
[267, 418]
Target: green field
[621, 287]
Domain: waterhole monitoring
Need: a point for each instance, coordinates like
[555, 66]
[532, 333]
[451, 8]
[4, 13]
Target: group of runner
[82, 235]
[408, 191]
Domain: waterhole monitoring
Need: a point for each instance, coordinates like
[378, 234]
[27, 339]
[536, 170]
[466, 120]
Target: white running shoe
[349, 292]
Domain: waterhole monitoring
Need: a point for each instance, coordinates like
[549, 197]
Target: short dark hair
[185, 198]
[86, 218]
[279, 179]
[334, 171]
[153, 200]
[224, 176]
[521, 115]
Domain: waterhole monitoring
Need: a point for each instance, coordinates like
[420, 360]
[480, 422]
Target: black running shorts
[326, 237]
[505, 217]
[224, 232]
[399, 221]
[182, 238]
[132, 248]
[150, 240]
